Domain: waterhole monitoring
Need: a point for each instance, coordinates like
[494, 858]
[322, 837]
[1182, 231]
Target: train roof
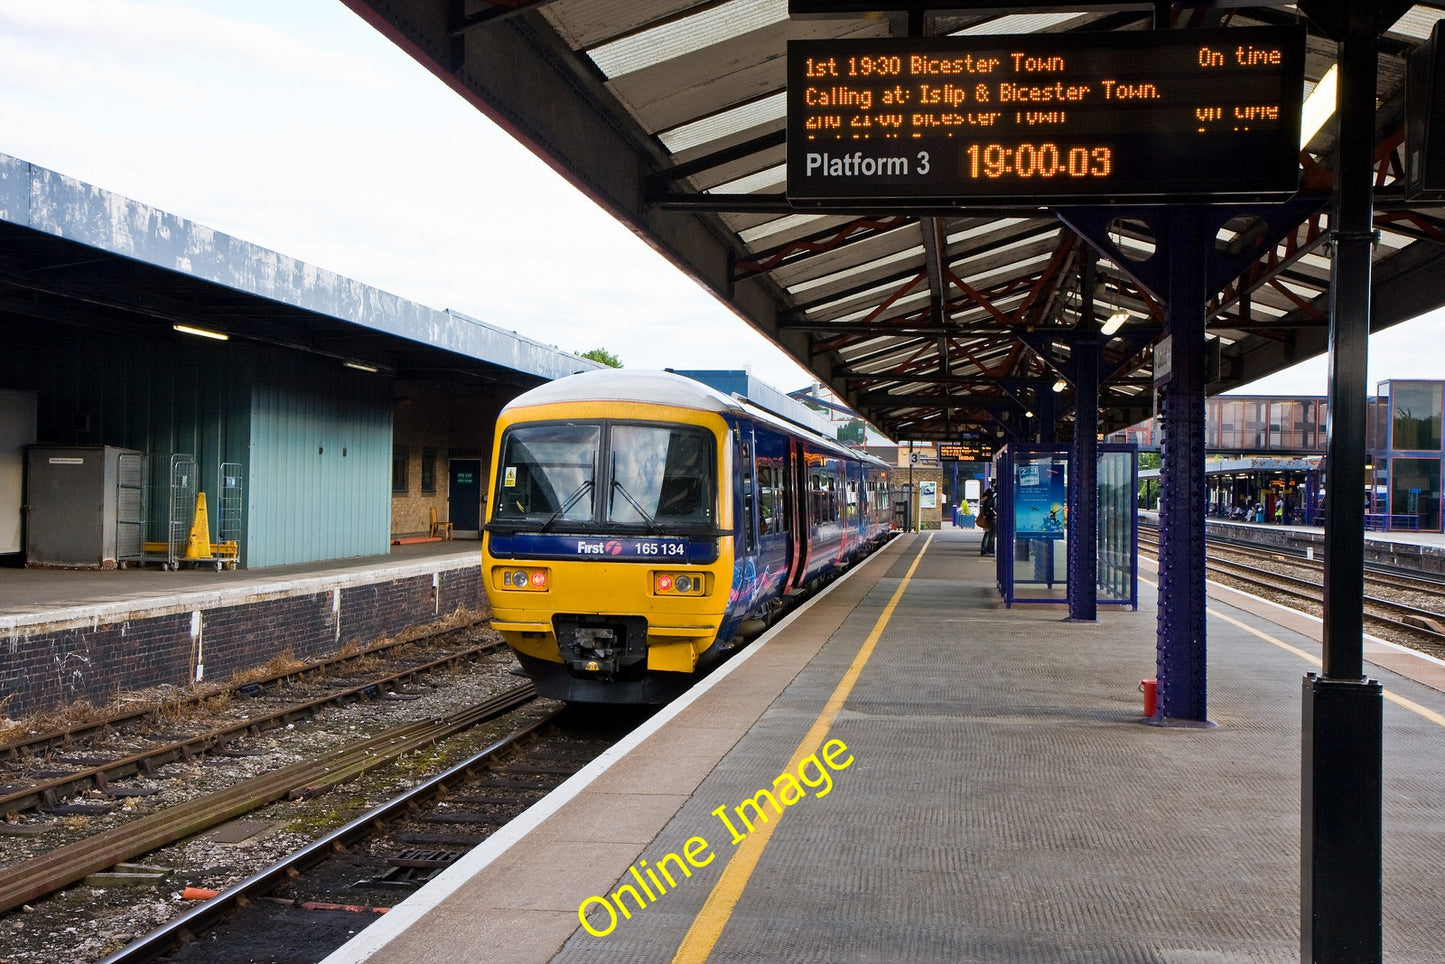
[628, 385]
[663, 388]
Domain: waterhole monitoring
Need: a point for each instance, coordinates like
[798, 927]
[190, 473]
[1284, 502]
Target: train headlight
[678, 584]
[525, 580]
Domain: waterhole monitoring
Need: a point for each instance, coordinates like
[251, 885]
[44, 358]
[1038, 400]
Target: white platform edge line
[396, 921]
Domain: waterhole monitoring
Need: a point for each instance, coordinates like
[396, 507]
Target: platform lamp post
[1341, 864]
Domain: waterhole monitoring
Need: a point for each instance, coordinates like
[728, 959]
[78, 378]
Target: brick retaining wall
[48, 666]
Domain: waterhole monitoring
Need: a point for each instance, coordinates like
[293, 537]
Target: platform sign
[966, 450]
[1425, 119]
[1045, 118]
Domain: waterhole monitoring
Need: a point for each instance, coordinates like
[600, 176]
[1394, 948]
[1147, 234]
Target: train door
[464, 496]
[797, 481]
[748, 486]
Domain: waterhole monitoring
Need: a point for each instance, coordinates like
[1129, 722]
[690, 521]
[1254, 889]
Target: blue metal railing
[1387, 521]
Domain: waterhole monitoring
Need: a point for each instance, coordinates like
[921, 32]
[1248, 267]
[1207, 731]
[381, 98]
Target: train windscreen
[548, 473]
[656, 475]
[661, 472]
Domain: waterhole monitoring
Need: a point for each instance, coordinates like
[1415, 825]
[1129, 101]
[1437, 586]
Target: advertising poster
[928, 495]
[1039, 498]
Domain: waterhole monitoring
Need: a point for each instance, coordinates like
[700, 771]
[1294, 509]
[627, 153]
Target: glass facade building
[1404, 439]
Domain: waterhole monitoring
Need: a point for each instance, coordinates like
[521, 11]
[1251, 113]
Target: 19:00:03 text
[992, 161]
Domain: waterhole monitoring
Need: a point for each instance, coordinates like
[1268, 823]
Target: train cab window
[663, 473]
[547, 473]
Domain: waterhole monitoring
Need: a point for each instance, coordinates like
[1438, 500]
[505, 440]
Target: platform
[1003, 801]
[104, 636]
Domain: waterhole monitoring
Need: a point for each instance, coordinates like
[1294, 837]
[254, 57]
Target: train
[641, 526]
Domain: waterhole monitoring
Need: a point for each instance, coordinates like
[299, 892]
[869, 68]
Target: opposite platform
[1002, 803]
[111, 636]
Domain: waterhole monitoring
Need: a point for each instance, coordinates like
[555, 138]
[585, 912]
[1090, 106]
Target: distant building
[1403, 438]
[1247, 425]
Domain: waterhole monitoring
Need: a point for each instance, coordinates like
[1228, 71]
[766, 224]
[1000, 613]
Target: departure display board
[968, 450]
[1045, 118]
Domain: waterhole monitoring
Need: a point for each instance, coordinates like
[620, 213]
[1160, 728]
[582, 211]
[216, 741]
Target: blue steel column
[1342, 736]
[1083, 475]
[1180, 642]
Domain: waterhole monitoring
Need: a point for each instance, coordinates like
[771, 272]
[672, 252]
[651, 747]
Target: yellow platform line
[708, 926]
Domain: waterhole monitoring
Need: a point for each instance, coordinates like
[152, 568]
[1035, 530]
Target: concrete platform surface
[996, 799]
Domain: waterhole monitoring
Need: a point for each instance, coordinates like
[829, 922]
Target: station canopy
[930, 322]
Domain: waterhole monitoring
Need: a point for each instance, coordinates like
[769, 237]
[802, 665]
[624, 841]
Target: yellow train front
[639, 528]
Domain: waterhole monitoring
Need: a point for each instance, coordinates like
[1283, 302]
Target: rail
[68, 864]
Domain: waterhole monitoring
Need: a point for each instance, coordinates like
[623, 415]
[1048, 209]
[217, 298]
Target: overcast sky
[294, 125]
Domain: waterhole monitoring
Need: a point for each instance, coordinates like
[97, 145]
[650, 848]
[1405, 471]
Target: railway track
[149, 712]
[1417, 620]
[311, 901]
[46, 793]
[70, 855]
[69, 864]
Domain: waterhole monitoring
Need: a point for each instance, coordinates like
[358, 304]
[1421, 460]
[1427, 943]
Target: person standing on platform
[987, 521]
[1279, 512]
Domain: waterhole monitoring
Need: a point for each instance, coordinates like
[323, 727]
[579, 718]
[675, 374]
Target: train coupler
[602, 647]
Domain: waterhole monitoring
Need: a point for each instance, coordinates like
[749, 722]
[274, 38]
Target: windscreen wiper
[652, 525]
[571, 501]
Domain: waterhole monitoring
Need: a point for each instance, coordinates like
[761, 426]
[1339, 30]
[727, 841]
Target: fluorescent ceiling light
[204, 333]
[360, 367]
[1319, 106]
[1114, 323]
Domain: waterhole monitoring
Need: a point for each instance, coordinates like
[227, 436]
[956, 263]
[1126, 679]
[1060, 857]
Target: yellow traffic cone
[198, 546]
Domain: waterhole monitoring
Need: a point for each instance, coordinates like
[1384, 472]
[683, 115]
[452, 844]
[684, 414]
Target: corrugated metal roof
[674, 119]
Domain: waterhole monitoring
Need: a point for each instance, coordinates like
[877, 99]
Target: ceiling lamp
[1061, 384]
[203, 332]
[1114, 323]
[1319, 106]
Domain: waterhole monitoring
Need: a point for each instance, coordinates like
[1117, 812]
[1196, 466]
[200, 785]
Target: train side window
[766, 498]
[817, 497]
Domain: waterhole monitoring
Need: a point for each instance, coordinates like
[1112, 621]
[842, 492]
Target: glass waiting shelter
[1034, 496]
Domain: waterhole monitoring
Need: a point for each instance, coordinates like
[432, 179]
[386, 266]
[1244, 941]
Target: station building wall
[320, 457]
[433, 429]
[314, 439]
